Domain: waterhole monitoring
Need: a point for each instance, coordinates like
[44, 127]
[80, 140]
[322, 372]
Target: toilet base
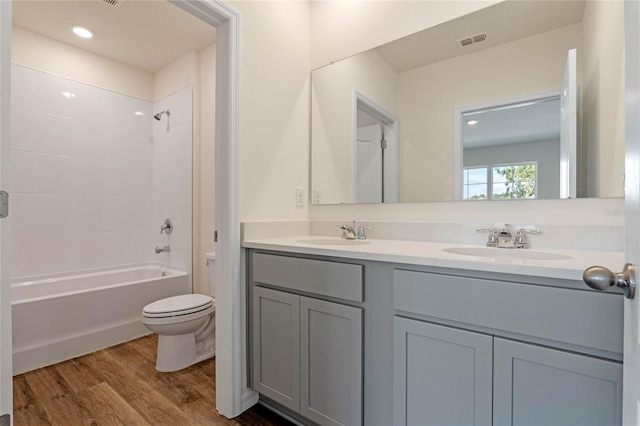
[176, 352]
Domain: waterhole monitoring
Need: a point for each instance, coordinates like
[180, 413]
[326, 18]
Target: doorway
[375, 152]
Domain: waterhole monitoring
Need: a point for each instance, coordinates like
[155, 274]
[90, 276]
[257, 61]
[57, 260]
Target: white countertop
[432, 254]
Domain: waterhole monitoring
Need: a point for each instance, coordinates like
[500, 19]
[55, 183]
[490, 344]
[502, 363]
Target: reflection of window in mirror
[512, 150]
[500, 182]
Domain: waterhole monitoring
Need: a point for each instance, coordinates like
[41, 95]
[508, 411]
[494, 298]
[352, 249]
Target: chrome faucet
[167, 226]
[348, 231]
[503, 238]
[165, 249]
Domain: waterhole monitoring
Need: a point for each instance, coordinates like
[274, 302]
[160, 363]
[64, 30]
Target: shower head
[158, 116]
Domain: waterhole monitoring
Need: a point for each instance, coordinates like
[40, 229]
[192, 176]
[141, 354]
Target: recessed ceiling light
[472, 122]
[82, 31]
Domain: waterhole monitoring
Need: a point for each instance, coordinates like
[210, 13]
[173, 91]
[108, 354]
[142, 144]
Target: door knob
[600, 278]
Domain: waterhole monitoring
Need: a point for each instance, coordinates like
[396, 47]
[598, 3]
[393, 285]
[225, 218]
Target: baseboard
[276, 409]
[249, 399]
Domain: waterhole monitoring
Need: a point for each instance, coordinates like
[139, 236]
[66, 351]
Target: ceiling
[517, 123]
[146, 34]
[504, 22]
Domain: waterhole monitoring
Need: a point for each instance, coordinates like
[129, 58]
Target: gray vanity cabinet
[440, 347]
[449, 376]
[308, 352]
[534, 385]
[442, 375]
[330, 362]
[276, 346]
[445, 373]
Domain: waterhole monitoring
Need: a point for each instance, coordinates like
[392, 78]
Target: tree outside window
[499, 182]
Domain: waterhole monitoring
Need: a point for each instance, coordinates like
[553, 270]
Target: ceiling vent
[468, 41]
[114, 3]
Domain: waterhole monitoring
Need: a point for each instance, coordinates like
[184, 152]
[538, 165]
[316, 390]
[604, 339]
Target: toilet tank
[211, 268]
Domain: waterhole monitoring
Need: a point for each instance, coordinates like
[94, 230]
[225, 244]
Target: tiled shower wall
[82, 182]
[172, 171]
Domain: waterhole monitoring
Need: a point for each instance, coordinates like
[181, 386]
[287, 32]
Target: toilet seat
[179, 306]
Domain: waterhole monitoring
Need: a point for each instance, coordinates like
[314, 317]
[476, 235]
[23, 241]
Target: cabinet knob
[601, 278]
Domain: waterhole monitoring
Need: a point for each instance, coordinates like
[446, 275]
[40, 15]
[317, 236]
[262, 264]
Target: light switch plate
[299, 196]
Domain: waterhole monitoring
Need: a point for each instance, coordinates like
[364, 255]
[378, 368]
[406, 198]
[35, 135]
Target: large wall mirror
[520, 100]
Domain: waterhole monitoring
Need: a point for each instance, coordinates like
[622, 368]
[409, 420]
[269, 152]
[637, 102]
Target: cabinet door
[331, 362]
[276, 346]
[441, 375]
[539, 386]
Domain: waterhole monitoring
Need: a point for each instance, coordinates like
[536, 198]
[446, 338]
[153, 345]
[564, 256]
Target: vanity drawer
[332, 279]
[578, 317]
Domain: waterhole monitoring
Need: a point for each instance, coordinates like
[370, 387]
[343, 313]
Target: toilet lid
[178, 305]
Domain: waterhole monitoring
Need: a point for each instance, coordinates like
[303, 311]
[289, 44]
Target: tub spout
[165, 249]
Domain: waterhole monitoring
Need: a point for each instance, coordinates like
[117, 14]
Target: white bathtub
[62, 317]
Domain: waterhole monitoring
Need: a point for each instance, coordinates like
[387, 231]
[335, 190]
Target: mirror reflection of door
[375, 165]
[569, 128]
[369, 171]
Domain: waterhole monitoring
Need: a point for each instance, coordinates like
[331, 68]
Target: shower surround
[89, 186]
[93, 176]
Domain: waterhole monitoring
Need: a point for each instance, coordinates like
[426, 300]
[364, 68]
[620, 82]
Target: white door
[632, 207]
[368, 162]
[568, 127]
[391, 163]
[6, 400]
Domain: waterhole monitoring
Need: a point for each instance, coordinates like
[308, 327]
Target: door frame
[6, 350]
[232, 395]
[630, 391]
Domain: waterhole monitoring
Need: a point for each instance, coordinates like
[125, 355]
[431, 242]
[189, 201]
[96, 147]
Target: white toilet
[185, 325]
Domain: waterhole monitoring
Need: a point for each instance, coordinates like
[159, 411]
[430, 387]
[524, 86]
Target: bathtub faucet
[165, 249]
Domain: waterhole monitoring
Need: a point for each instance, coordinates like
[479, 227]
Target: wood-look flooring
[120, 386]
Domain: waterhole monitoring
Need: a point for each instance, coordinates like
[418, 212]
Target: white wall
[603, 100]
[341, 29]
[333, 118]
[274, 108]
[41, 53]
[80, 175]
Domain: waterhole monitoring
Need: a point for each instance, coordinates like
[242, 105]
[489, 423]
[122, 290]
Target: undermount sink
[506, 253]
[333, 242]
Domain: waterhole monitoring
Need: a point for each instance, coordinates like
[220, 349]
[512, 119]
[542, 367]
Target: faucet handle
[492, 241]
[521, 241]
[361, 234]
[529, 231]
[167, 226]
